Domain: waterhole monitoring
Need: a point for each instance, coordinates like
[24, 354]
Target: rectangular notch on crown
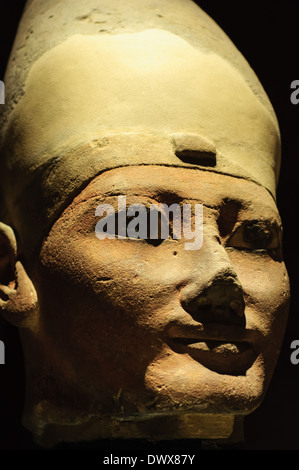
[192, 148]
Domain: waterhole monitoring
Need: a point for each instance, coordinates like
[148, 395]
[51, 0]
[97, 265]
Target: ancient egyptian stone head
[123, 337]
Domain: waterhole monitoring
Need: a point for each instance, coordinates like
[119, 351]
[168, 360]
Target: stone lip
[230, 358]
[224, 349]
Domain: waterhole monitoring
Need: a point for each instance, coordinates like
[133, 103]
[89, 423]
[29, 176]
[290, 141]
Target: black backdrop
[266, 33]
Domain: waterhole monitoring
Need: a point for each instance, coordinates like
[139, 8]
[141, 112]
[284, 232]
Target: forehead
[170, 185]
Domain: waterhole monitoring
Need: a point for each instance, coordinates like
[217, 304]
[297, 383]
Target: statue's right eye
[136, 223]
[150, 225]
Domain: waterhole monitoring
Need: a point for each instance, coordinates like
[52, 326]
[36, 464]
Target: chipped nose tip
[221, 302]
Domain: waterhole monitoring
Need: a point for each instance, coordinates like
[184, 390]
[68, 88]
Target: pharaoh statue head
[138, 338]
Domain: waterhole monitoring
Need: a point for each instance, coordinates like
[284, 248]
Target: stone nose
[221, 302]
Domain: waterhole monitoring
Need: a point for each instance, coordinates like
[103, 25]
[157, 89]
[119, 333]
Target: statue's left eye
[256, 235]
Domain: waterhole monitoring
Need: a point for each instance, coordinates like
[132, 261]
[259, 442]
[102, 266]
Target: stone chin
[169, 409]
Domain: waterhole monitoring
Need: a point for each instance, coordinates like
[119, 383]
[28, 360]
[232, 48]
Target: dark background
[267, 35]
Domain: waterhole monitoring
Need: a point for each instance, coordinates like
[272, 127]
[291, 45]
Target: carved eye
[153, 227]
[136, 223]
[256, 235]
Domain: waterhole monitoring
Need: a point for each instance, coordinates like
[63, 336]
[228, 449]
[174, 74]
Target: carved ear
[18, 299]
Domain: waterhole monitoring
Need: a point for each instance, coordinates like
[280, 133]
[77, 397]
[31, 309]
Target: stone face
[121, 335]
[137, 324]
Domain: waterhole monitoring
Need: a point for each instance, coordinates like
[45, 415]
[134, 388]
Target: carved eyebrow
[234, 212]
[192, 148]
[228, 215]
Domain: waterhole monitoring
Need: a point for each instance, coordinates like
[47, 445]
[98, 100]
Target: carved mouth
[224, 356]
